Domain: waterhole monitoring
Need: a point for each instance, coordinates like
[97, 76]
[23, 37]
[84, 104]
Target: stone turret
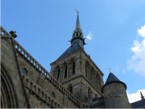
[115, 93]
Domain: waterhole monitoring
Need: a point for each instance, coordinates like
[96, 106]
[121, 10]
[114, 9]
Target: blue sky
[115, 32]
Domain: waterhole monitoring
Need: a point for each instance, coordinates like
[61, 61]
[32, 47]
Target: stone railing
[3, 33]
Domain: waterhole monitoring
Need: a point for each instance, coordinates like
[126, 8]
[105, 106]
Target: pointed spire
[142, 97]
[78, 21]
[77, 38]
[111, 78]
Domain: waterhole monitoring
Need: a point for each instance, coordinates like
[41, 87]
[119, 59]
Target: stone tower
[76, 71]
[115, 93]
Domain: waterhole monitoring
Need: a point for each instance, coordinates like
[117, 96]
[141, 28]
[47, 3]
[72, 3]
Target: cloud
[133, 97]
[89, 36]
[137, 61]
[141, 31]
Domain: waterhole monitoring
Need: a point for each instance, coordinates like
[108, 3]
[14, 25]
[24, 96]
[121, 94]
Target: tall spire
[78, 21]
[77, 38]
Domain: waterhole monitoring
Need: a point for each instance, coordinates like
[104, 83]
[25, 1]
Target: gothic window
[70, 88]
[65, 72]
[73, 67]
[8, 98]
[58, 72]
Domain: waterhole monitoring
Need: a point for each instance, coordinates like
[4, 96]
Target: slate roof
[70, 50]
[138, 104]
[113, 79]
[73, 49]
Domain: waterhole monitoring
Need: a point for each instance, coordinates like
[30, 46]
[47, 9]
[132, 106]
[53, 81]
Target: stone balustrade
[4, 33]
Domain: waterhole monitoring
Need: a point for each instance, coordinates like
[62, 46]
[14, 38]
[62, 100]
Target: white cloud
[141, 31]
[89, 36]
[137, 60]
[133, 97]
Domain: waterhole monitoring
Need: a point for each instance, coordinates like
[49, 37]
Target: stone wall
[13, 84]
[115, 96]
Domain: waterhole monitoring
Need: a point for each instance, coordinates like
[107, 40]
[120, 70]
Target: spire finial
[142, 97]
[77, 21]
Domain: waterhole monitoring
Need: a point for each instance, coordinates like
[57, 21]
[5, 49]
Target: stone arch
[8, 94]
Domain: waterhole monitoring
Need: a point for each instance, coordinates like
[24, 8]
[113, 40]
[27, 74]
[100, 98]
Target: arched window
[58, 72]
[8, 98]
[65, 72]
[74, 67]
[70, 88]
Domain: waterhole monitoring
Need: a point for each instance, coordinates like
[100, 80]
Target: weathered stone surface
[115, 96]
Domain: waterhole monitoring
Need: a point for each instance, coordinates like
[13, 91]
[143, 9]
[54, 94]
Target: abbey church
[74, 81]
